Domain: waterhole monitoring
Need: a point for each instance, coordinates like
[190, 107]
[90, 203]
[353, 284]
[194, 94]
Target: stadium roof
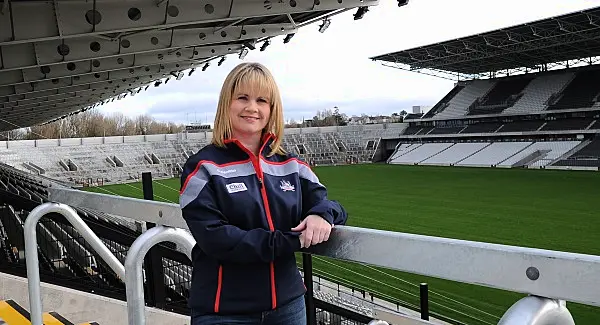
[559, 42]
[63, 56]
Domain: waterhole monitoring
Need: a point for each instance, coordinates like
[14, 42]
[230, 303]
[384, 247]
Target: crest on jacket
[286, 186]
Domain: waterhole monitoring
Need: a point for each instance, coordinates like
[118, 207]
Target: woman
[250, 206]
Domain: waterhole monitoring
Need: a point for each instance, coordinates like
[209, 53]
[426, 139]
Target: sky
[317, 71]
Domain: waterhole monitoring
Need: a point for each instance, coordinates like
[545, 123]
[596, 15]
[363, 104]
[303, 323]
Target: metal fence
[65, 258]
[550, 278]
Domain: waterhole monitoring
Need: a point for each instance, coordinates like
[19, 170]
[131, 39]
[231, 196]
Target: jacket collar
[265, 142]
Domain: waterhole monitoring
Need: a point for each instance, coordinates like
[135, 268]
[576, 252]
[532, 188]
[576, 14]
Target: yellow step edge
[57, 319]
[13, 314]
[50, 319]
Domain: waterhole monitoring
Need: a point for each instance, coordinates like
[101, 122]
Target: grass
[546, 209]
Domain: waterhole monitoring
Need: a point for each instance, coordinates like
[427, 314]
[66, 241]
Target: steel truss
[60, 57]
[457, 76]
[560, 42]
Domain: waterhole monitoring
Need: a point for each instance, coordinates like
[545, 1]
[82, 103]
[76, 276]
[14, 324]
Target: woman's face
[249, 113]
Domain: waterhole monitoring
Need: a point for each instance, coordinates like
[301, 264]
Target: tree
[142, 124]
[18, 134]
[92, 123]
[292, 124]
[340, 119]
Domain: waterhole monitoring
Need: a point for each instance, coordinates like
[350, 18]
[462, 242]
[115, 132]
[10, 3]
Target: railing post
[311, 312]
[31, 251]
[424, 301]
[156, 295]
[134, 281]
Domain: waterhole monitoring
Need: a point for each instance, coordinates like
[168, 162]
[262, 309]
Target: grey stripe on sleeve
[207, 169]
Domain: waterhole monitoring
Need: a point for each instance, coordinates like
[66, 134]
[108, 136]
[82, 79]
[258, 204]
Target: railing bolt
[532, 273]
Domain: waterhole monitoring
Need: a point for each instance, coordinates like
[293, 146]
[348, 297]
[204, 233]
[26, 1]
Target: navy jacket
[240, 209]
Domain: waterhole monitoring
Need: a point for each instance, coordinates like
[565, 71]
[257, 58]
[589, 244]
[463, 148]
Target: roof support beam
[73, 101]
[107, 18]
[130, 63]
[32, 118]
[57, 15]
[90, 48]
[47, 95]
[109, 90]
[98, 80]
[508, 48]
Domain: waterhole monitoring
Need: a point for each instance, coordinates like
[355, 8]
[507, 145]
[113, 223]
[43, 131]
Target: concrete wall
[84, 141]
[79, 307]
[165, 137]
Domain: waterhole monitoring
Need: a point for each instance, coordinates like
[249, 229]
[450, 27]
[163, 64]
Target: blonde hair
[258, 80]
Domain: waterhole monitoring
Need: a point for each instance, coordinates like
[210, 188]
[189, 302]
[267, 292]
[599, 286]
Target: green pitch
[555, 210]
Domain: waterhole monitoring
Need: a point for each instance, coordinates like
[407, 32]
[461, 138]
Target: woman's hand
[314, 230]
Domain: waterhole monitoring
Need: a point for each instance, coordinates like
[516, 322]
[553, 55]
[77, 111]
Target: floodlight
[325, 25]
[288, 37]
[264, 46]
[243, 53]
[360, 13]
[250, 45]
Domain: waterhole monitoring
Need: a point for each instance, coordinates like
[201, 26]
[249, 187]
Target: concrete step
[11, 313]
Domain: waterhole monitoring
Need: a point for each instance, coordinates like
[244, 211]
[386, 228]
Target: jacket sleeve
[221, 240]
[315, 201]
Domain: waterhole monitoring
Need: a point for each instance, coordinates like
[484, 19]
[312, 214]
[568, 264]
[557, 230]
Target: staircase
[11, 313]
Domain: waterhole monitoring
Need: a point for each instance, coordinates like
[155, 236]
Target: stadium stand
[496, 154]
[587, 156]
[97, 161]
[530, 111]
[581, 92]
[454, 154]
[459, 104]
[423, 152]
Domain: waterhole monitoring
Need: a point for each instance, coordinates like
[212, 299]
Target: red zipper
[263, 191]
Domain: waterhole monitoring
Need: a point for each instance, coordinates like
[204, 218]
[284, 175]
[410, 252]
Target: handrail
[544, 273]
[551, 276]
[537, 311]
[31, 252]
[134, 282]
[527, 311]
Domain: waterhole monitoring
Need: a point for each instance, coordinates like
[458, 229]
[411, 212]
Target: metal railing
[550, 278]
[134, 281]
[31, 252]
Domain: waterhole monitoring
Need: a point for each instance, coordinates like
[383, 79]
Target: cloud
[321, 70]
